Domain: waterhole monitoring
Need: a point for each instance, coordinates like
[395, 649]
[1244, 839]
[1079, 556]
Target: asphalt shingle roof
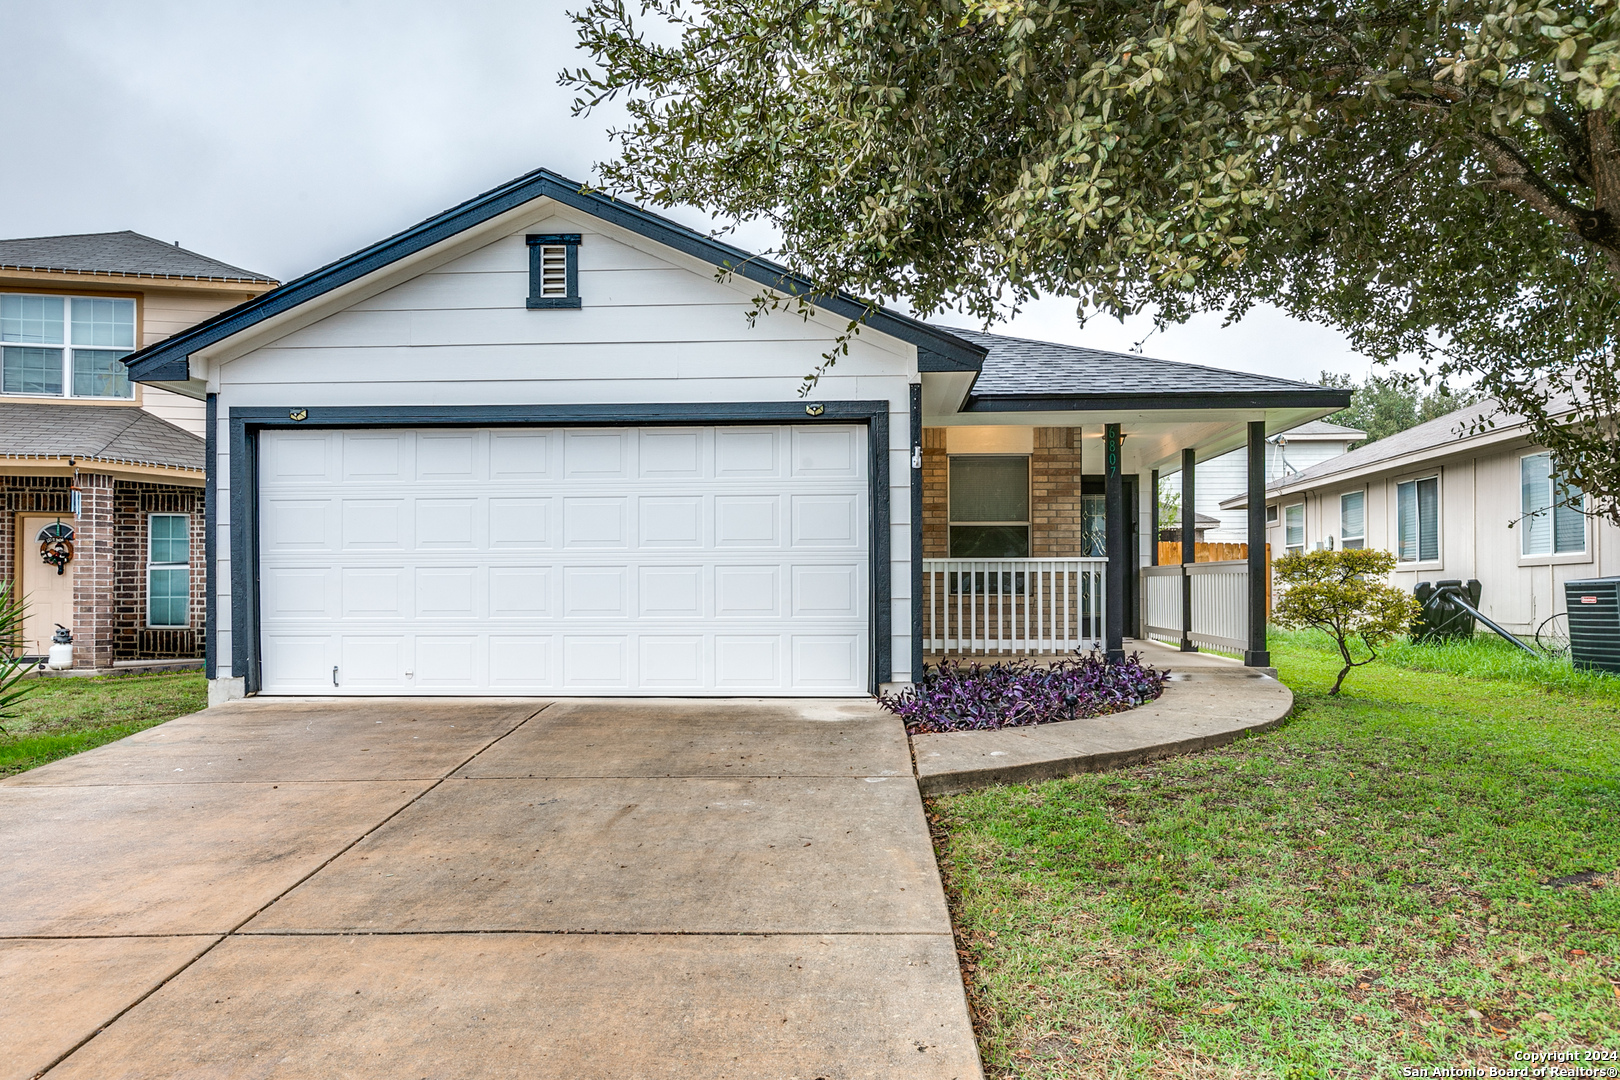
[127, 436]
[1019, 367]
[117, 253]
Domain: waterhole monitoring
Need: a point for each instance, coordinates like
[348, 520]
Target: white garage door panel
[565, 561]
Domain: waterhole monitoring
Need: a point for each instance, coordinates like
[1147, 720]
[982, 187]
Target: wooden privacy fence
[1170, 552]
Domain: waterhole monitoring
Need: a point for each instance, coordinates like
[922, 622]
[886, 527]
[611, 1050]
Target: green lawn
[1364, 888]
[66, 716]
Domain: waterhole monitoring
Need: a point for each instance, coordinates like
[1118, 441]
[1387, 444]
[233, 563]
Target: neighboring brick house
[101, 480]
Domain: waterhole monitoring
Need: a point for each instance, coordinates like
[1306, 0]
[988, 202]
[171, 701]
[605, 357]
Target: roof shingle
[128, 436]
[125, 252]
[1020, 367]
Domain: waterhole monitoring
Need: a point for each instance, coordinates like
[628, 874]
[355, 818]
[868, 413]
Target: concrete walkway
[436, 889]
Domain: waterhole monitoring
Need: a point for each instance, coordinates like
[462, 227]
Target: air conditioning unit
[1594, 623]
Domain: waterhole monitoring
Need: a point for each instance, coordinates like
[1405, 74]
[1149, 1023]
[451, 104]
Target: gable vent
[554, 270]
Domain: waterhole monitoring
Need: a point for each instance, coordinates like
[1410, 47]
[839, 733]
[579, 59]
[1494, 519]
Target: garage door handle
[334, 674]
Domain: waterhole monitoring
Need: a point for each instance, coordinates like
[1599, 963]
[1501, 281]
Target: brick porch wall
[132, 640]
[1054, 494]
[109, 563]
[28, 495]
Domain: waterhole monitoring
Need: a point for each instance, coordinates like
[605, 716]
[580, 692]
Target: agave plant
[12, 668]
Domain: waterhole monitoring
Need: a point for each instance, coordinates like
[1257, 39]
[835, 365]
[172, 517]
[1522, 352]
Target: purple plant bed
[984, 697]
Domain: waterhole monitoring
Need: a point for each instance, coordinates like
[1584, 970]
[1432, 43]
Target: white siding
[655, 327]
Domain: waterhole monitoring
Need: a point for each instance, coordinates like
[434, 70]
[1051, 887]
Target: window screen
[1353, 519]
[1553, 521]
[1294, 527]
[1417, 524]
[989, 507]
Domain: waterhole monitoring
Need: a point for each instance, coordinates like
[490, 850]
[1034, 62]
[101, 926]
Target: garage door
[656, 561]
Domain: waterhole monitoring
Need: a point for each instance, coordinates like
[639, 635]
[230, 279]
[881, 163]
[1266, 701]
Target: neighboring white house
[1452, 505]
[536, 445]
[1224, 478]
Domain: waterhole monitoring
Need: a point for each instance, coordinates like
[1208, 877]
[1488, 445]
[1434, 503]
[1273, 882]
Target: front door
[48, 593]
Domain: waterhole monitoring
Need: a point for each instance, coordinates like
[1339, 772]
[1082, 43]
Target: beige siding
[1479, 501]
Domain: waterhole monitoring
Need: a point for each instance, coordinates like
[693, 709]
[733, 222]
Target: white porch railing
[1220, 603]
[1012, 605]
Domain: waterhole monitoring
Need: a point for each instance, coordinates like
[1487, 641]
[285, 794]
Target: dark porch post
[1153, 549]
[1189, 542]
[1257, 654]
[1114, 596]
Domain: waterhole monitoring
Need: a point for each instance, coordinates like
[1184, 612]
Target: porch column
[1257, 654]
[1189, 542]
[1114, 590]
[94, 574]
[1153, 549]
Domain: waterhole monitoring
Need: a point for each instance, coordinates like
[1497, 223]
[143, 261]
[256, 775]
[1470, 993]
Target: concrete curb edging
[1198, 710]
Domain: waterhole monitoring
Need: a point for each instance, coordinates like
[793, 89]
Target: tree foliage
[1381, 405]
[1345, 594]
[1439, 179]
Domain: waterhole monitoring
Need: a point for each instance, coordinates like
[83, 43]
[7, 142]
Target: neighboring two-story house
[1223, 478]
[1453, 500]
[101, 479]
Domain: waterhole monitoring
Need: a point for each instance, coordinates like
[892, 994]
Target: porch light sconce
[814, 410]
[298, 414]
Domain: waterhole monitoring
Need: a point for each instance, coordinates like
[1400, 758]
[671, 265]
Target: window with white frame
[168, 570]
[1417, 520]
[1353, 520]
[989, 496]
[1271, 514]
[65, 346]
[1294, 527]
[1554, 521]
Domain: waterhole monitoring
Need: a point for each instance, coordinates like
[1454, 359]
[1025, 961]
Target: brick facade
[109, 561]
[1055, 490]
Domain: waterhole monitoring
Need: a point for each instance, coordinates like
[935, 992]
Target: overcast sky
[280, 136]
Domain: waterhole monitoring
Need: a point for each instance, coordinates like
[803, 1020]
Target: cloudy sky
[280, 136]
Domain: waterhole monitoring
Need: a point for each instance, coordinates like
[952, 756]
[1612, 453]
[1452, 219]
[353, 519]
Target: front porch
[1039, 508]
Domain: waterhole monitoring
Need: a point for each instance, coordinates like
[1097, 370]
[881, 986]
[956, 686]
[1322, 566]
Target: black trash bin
[1594, 623]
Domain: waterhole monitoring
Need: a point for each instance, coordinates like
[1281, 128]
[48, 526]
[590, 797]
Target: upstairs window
[554, 270]
[65, 346]
[1353, 520]
[989, 507]
[1417, 520]
[1554, 512]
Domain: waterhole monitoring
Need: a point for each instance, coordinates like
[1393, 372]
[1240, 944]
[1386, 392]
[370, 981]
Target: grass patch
[1484, 656]
[63, 717]
[1362, 889]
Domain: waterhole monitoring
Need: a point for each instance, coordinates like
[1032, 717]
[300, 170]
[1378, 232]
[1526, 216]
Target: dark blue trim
[210, 530]
[1147, 401]
[167, 360]
[246, 424]
[569, 242]
[245, 660]
[1257, 655]
[916, 472]
[1115, 593]
[931, 360]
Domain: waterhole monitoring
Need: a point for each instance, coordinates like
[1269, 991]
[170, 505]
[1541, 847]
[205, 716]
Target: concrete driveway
[493, 888]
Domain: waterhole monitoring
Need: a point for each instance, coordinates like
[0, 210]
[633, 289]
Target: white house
[534, 445]
[1453, 503]
[1224, 478]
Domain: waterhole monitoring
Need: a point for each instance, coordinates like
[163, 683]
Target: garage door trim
[246, 423]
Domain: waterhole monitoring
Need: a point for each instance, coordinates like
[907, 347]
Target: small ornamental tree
[1345, 594]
